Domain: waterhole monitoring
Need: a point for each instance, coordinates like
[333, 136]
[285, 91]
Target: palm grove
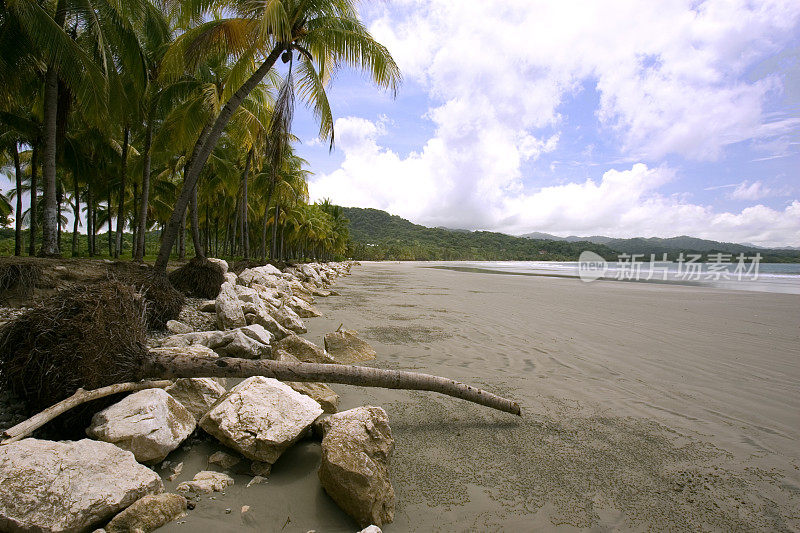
[173, 115]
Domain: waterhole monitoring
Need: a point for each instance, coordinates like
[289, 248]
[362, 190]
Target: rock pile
[75, 486]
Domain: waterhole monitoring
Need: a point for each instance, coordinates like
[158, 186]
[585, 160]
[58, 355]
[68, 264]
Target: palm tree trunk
[33, 210]
[110, 226]
[283, 234]
[50, 219]
[135, 221]
[274, 247]
[208, 229]
[59, 200]
[245, 226]
[236, 224]
[50, 222]
[18, 211]
[199, 250]
[203, 154]
[123, 184]
[148, 142]
[182, 239]
[216, 236]
[76, 213]
[89, 219]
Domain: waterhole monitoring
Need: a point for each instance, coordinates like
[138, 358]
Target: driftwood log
[25, 428]
[163, 366]
[168, 367]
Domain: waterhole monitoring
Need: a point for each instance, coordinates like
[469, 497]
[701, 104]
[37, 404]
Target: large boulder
[197, 395]
[287, 318]
[302, 307]
[183, 349]
[325, 396]
[221, 263]
[309, 273]
[266, 321]
[68, 486]
[315, 291]
[256, 274]
[176, 326]
[148, 514]
[260, 276]
[269, 295]
[356, 449]
[248, 342]
[229, 309]
[346, 347]
[301, 290]
[306, 351]
[149, 423]
[260, 418]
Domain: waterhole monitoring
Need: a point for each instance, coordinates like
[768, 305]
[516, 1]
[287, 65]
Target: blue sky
[577, 117]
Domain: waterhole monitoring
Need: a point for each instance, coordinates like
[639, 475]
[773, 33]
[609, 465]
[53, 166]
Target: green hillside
[377, 235]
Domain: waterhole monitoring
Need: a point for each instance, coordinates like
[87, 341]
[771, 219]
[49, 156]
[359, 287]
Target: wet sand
[645, 407]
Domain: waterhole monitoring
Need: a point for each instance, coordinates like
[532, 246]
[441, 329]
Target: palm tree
[9, 146]
[85, 48]
[325, 34]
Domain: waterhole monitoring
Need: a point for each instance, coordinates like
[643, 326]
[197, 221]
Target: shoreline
[645, 406]
[679, 392]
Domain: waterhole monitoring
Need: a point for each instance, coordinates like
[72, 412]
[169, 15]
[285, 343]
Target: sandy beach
[645, 408]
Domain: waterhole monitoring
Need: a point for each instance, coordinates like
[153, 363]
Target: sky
[623, 118]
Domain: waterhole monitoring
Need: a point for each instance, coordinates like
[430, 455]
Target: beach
[645, 407]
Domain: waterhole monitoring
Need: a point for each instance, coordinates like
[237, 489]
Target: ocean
[762, 277]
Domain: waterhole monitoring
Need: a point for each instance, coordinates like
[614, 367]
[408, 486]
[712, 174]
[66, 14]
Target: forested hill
[377, 235]
[659, 245]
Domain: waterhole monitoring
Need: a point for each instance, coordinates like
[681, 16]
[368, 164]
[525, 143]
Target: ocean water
[763, 277]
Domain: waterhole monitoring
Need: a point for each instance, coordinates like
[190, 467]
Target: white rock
[149, 423]
[304, 350]
[231, 278]
[346, 347]
[208, 306]
[68, 486]
[205, 482]
[268, 295]
[371, 529]
[257, 274]
[223, 265]
[197, 395]
[302, 308]
[175, 326]
[289, 319]
[176, 347]
[257, 480]
[148, 514]
[265, 320]
[325, 396]
[260, 418]
[248, 342]
[229, 310]
[354, 471]
[224, 460]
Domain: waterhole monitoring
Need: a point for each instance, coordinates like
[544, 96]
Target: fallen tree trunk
[23, 429]
[176, 366]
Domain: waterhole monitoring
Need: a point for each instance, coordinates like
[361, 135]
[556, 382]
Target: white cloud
[671, 77]
[668, 72]
[620, 203]
[751, 191]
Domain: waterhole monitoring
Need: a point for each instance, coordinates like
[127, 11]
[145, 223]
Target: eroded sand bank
[646, 407]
